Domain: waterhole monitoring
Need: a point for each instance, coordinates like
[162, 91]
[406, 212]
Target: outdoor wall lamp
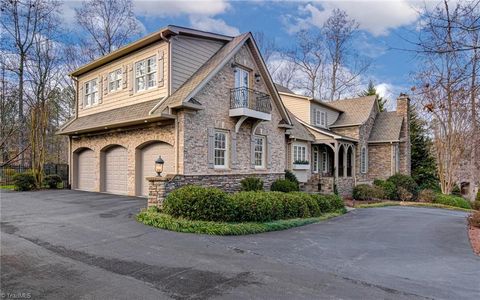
[159, 165]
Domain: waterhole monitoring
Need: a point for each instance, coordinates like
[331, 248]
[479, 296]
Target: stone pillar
[156, 190]
[403, 109]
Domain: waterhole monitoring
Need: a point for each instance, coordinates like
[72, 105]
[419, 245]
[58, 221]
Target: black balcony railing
[247, 98]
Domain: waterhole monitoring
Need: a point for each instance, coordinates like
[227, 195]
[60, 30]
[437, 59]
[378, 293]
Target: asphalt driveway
[78, 245]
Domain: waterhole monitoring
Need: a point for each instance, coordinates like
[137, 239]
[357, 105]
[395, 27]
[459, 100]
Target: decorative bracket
[239, 123]
[255, 125]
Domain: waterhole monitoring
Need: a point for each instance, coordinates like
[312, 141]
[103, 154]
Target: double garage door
[114, 171]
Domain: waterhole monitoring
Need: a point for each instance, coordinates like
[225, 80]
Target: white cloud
[156, 8]
[376, 17]
[213, 25]
[390, 92]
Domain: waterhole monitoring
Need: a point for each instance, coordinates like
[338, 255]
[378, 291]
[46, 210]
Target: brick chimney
[403, 109]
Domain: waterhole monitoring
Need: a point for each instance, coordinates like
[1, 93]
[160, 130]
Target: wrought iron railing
[247, 98]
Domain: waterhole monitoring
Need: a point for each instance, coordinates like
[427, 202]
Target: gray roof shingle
[355, 111]
[387, 127]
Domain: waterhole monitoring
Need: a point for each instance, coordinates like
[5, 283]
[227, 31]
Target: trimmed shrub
[52, 181]
[406, 182]
[257, 206]
[336, 202]
[388, 188]
[24, 181]
[294, 206]
[426, 195]
[452, 200]
[252, 184]
[474, 219]
[367, 192]
[289, 175]
[283, 185]
[404, 195]
[199, 203]
[311, 202]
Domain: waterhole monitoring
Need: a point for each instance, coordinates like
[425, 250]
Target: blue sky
[382, 25]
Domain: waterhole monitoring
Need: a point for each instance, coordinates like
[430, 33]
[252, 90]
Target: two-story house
[350, 141]
[204, 102]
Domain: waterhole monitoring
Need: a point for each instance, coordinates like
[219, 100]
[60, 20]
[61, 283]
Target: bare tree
[109, 24]
[345, 66]
[21, 20]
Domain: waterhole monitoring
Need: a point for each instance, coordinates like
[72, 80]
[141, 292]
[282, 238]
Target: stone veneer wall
[215, 99]
[345, 186]
[381, 161]
[403, 109]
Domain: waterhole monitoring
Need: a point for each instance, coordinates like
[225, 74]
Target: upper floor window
[145, 74]
[363, 160]
[91, 93]
[241, 87]
[259, 151]
[220, 149]
[320, 117]
[299, 153]
[115, 80]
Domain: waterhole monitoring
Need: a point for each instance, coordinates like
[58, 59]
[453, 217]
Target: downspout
[70, 162]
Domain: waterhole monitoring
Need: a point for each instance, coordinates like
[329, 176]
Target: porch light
[159, 165]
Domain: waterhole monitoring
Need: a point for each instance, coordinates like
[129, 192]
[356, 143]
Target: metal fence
[8, 172]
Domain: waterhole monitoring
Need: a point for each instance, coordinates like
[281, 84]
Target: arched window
[363, 160]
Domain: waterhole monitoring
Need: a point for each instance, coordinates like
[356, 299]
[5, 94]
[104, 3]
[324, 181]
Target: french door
[241, 87]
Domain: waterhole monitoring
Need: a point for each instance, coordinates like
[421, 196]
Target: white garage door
[116, 171]
[85, 171]
[147, 163]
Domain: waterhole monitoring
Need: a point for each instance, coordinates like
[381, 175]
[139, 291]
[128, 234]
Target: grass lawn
[415, 204]
[154, 218]
[7, 187]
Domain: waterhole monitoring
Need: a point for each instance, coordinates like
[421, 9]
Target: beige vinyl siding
[299, 106]
[124, 97]
[188, 55]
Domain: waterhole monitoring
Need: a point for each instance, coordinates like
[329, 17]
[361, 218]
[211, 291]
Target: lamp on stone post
[159, 165]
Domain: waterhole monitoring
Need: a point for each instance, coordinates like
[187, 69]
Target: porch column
[345, 160]
[335, 154]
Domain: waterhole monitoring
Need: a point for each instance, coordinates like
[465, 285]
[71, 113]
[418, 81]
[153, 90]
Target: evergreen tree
[423, 164]
[372, 91]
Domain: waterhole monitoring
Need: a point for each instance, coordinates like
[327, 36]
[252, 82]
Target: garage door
[116, 171]
[147, 163]
[85, 171]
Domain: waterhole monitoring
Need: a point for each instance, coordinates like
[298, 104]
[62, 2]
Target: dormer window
[320, 118]
[91, 93]
[145, 74]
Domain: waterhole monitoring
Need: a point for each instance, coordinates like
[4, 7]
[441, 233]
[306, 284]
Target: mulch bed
[474, 234]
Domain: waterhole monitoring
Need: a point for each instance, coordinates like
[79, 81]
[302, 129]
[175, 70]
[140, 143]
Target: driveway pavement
[78, 245]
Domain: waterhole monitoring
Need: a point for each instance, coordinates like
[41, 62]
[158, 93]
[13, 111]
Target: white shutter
[269, 152]
[100, 88]
[105, 84]
[81, 98]
[131, 79]
[160, 68]
[314, 117]
[124, 76]
[211, 141]
[252, 151]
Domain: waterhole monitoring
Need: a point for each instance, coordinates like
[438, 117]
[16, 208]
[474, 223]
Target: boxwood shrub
[452, 201]
[52, 181]
[367, 192]
[256, 206]
[199, 203]
[252, 184]
[403, 181]
[284, 185]
[24, 181]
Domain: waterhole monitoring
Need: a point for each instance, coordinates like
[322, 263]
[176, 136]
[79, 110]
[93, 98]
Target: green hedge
[367, 192]
[24, 181]
[284, 185]
[211, 204]
[252, 184]
[452, 200]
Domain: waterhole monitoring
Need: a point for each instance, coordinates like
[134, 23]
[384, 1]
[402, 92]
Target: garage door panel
[116, 167]
[85, 174]
[147, 163]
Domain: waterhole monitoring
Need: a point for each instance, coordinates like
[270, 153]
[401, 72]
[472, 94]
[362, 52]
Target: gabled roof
[202, 76]
[326, 132]
[283, 89]
[387, 127]
[355, 111]
[286, 91]
[145, 41]
[298, 131]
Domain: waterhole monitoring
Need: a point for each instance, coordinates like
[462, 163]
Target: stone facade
[380, 161]
[403, 109]
[345, 186]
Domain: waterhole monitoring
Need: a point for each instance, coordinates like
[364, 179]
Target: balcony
[250, 103]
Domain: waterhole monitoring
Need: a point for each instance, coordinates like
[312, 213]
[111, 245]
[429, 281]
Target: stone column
[156, 190]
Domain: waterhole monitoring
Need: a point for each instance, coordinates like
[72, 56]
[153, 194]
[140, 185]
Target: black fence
[7, 172]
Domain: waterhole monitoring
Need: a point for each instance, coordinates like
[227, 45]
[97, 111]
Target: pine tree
[423, 164]
[372, 91]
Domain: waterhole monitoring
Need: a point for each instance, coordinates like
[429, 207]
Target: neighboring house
[204, 102]
[347, 141]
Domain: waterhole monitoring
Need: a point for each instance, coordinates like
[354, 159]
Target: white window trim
[263, 153]
[296, 156]
[324, 161]
[118, 73]
[227, 154]
[320, 118]
[363, 160]
[155, 71]
[316, 159]
[90, 101]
